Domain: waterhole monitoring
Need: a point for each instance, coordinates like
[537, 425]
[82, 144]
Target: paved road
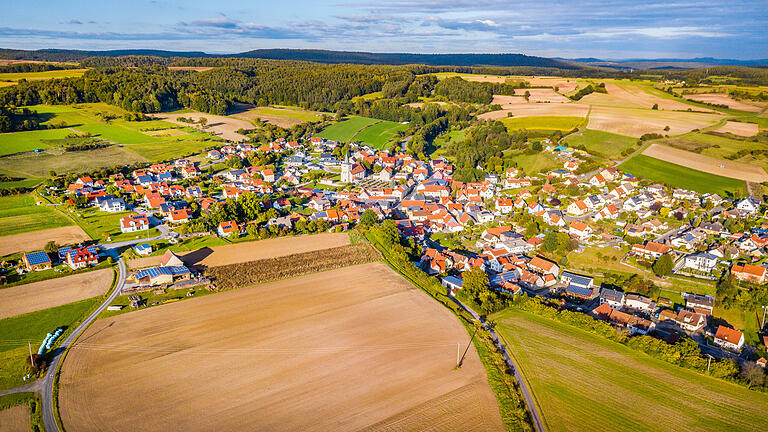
[538, 424]
[48, 381]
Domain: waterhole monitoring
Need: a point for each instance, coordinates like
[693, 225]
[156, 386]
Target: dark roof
[39, 257]
[157, 271]
[579, 291]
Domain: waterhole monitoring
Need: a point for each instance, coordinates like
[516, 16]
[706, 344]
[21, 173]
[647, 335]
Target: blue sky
[605, 29]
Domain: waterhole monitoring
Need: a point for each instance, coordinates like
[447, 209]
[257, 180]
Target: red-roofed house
[749, 273]
[178, 216]
[133, 223]
[729, 338]
[228, 229]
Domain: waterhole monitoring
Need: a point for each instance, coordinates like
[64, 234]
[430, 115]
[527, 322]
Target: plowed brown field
[251, 251]
[15, 419]
[37, 239]
[356, 348]
[53, 292]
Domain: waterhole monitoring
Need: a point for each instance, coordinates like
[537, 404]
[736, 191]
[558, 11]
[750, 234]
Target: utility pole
[763, 324]
[458, 353]
[31, 359]
[709, 360]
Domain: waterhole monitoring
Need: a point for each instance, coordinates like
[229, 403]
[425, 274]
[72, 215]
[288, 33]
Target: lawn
[601, 143]
[533, 163]
[583, 382]
[345, 130]
[97, 223]
[680, 177]
[33, 327]
[17, 142]
[19, 214]
[379, 134]
[721, 147]
[563, 123]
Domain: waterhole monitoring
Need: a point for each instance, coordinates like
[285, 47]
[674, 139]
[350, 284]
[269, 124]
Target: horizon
[619, 30]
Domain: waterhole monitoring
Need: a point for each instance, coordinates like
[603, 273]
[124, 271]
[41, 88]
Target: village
[506, 225]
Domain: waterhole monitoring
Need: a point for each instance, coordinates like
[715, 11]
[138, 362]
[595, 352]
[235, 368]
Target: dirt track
[707, 164]
[37, 239]
[251, 251]
[739, 128]
[349, 349]
[15, 419]
[53, 292]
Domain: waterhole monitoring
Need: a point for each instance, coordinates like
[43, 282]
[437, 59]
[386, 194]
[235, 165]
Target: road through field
[357, 348]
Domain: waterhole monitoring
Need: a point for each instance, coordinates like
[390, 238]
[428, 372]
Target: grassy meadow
[37, 76]
[583, 382]
[373, 132]
[97, 223]
[678, 176]
[601, 143]
[33, 327]
[19, 214]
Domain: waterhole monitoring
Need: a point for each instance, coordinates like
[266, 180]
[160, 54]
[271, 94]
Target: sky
[608, 29]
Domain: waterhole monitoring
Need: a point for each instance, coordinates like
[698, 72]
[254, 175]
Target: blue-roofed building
[576, 280]
[36, 261]
[143, 249]
[162, 275]
[502, 278]
[453, 283]
[580, 292]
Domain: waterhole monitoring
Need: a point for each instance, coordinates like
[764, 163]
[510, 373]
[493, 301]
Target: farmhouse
[749, 273]
[36, 261]
[729, 338]
[651, 250]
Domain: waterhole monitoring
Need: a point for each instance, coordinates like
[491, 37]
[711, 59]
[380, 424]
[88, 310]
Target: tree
[203, 122]
[753, 374]
[550, 241]
[51, 247]
[655, 107]
[368, 218]
[663, 265]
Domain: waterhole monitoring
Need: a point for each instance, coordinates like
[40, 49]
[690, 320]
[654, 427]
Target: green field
[533, 163]
[379, 134]
[722, 147]
[601, 143]
[584, 382]
[17, 142]
[373, 132]
[32, 327]
[563, 123]
[19, 214]
[678, 176]
[345, 130]
[36, 76]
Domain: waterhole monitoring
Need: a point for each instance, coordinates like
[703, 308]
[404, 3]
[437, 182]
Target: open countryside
[384, 227]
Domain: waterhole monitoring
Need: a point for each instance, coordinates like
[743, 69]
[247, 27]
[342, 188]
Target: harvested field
[191, 68]
[348, 349]
[15, 419]
[253, 272]
[50, 293]
[542, 95]
[285, 117]
[724, 99]
[252, 251]
[635, 95]
[721, 167]
[37, 239]
[225, 127]
[537, 110]
[636, 122]
[507, 99]
[739, 128]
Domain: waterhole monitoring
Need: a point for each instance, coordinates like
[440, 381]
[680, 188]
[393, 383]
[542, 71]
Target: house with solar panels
[78, 258]
[36, 261]
[162, 275]
[579, 286]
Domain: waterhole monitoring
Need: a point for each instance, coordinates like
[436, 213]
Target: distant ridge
[665, 63]
[319, 56]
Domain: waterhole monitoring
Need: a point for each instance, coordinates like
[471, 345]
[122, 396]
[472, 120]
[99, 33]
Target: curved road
[536, 419]
[49, 417]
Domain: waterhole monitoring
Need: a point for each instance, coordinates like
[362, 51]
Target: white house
[729, 338]
[702, 261]
[749, 205]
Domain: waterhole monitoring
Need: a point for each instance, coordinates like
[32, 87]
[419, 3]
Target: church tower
[346, 170]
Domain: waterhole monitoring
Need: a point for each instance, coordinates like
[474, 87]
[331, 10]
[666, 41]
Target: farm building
[162, 275]
[36, 261]
[170, 259]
